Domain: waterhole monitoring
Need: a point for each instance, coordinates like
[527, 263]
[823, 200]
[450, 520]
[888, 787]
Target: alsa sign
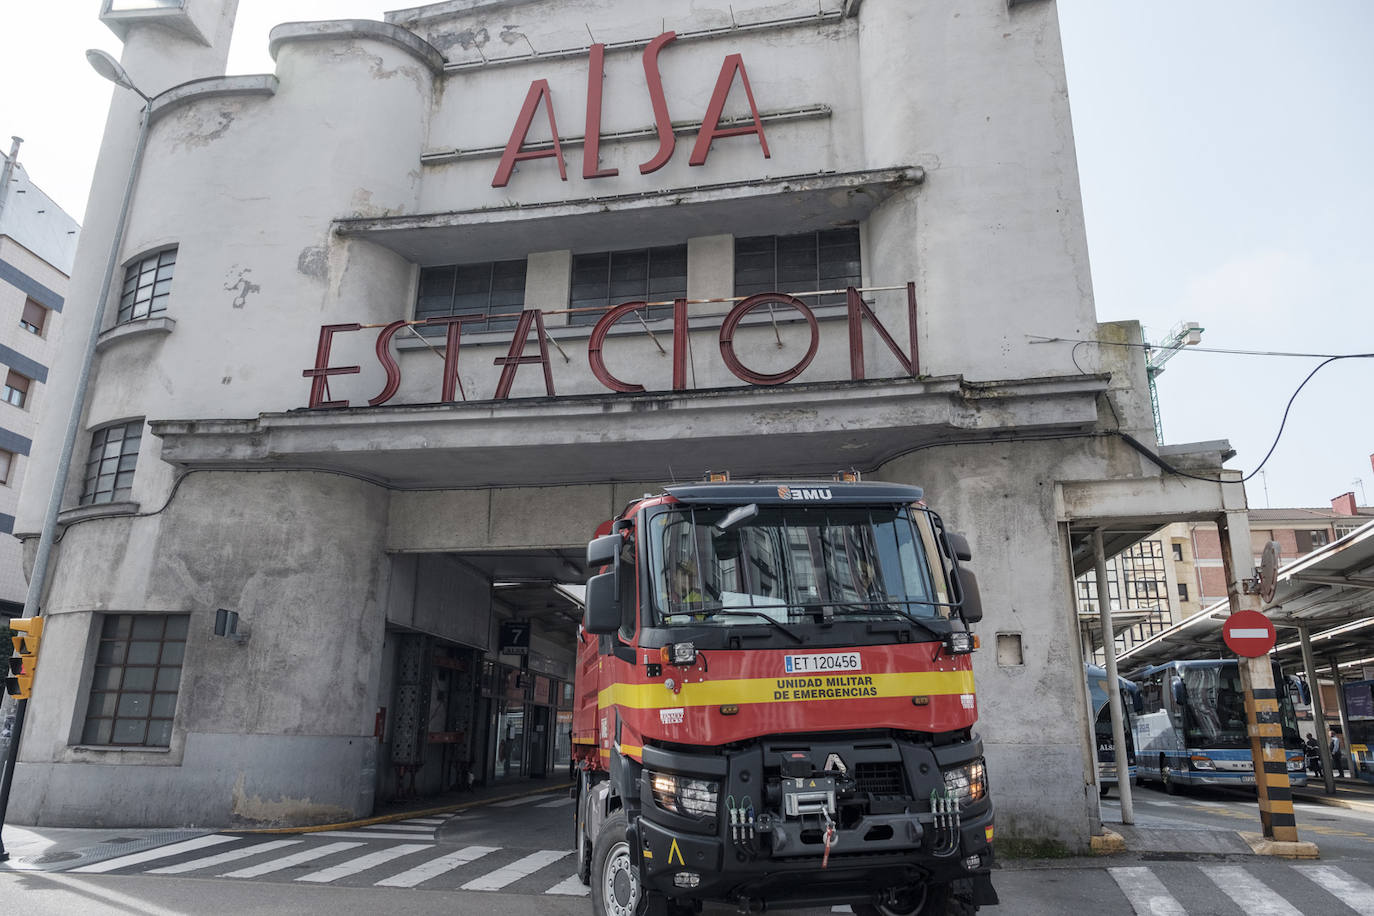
[596, 67]
[532, 320]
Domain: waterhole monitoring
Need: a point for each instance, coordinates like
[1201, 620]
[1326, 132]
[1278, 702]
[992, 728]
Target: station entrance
[476, 680]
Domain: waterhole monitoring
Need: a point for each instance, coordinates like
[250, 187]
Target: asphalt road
[515, 858]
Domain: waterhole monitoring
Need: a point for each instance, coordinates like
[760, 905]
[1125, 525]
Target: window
[110, 467]
[1183, 591]
[608, 278]
[147, 284]
[798, 263]
[16, 388]
[1320, 538]
[137, 674]
[1343, 530]
[34, 319]
[6, 465]
[1178, 552]
[488, 288]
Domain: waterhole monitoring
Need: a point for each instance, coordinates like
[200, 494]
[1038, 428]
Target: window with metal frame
[137, 676]
[16, 389]
[110, 466]
[607, 278]
[34, 319]
[486, 288]
[6, 465]
[828, 259]
[147, 286]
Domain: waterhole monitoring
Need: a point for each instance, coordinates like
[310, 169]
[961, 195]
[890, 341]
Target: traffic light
[24, 662]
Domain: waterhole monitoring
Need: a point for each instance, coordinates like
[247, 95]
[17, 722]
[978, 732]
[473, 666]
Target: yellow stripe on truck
[795, 687]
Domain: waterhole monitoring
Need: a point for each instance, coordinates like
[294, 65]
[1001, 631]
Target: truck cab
[775, 704]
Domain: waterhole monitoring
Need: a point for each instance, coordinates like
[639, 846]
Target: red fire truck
[775, 705]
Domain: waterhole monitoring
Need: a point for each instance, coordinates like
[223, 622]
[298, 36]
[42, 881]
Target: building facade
[37, 245]
[397, 326]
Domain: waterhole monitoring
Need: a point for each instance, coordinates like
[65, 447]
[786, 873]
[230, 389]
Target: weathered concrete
[316, 195]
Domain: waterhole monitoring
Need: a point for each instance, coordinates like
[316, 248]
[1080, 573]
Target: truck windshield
[786, 563]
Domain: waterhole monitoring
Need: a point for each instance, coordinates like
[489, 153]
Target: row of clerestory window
[495, 290]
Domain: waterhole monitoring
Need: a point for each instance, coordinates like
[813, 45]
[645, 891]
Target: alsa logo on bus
[804, 493]
[596, 67]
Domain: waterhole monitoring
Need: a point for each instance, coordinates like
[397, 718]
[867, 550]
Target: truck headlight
[1296, 764]
[684, 795]
[1203, 763]
[968, 783]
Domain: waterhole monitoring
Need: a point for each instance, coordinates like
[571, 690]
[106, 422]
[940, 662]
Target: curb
[1108, 844]
[1264, 847]
[400, 815]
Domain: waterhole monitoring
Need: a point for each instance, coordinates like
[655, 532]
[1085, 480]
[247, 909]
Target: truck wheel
[616, 890]
[921, 900]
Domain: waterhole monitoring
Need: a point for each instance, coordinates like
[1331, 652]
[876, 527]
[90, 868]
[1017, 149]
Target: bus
[1191, 728]
[1359, 711]
[1102, 725]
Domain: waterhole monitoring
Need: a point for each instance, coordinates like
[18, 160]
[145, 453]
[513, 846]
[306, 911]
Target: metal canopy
[1330, 591]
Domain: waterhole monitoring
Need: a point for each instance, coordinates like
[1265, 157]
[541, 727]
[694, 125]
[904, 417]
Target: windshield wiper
[726, 613]
[886, 607]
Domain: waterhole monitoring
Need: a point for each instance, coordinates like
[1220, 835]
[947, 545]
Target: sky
[1224, 151]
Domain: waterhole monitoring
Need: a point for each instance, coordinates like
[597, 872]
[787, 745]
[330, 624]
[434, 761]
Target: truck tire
[922, 900]
[616, 888]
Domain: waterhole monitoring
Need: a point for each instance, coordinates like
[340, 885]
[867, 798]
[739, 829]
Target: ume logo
[804, 493]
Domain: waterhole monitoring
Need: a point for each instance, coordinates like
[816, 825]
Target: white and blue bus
[1102, 725]
[1191, 728]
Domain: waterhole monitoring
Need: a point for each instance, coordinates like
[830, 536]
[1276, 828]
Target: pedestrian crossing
[372, 857]
[1256, 891]
[408, 857]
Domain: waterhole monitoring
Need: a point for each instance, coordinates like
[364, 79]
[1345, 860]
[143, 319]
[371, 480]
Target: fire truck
[775, 704]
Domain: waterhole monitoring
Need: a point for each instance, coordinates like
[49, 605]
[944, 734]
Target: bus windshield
[787, 563]
[1215, 714]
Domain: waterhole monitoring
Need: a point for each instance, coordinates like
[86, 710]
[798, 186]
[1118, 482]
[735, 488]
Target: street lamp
[111, 70]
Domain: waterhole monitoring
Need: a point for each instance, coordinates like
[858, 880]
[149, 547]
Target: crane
[1183, 334]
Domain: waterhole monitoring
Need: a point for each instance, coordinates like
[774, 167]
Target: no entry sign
[1248, 633]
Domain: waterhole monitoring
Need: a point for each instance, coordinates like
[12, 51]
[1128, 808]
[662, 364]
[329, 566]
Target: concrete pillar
[1318, 713]
[1261, 695]
[1104, 606]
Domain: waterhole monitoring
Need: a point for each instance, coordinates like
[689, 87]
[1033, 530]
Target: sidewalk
[1151, 835]
[43, 848]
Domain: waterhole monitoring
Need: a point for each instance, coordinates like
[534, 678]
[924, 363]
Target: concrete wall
[277, 728]
[255, 181]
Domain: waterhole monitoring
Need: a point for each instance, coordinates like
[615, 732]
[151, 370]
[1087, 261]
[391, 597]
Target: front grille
[880, 778]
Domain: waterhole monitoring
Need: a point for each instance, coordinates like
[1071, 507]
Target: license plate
[822, 662]
[1248, 779]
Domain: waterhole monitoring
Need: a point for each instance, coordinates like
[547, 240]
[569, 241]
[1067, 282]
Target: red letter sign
[393, 371]
[665, 125]
[594, 358]
[320, 374]
[710, 125]
[455, 333]
[514, 359]
[591, 144]
[538, 89]
[727, 339]
[858, 310]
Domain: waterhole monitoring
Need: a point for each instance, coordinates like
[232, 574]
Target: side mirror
[959, 545]
[1180, 690]
[602, 613]
[602, 551]
[1137, 703]
[972, 607]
